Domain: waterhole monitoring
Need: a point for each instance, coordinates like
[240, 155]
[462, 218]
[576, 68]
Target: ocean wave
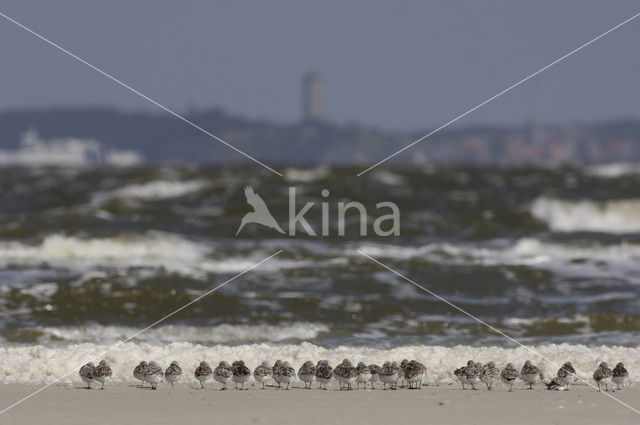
[613, 216]
[568, 259]
[207, 335]
[299, 175]
[151, 191]
[150, 250]
[523, 251]
[614, 169]
[42, 364]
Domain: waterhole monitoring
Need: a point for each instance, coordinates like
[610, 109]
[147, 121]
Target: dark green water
[546, 254]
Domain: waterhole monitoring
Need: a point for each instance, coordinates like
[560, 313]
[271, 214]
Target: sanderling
[324, 372]
[276, 372]
[403, 364]
[203, 372]
[345, 374]
[307, 373]
[490, 374]
[138, 372]
[88, 374]
[173, 373]
[566, 375]
[262, 373]
[473, 374]
[556, 384]
[389, 374]
[461, 373]
[153, 374]
[223, 374]
[531, 374]
[286, 373]
[364, 374]
[241, 373]
[103, 371]
[602, 375]
[620, 375]
[413, 374]
[509, 376]
[374, 369]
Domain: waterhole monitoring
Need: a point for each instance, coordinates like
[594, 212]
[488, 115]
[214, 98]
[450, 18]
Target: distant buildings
[312, 97]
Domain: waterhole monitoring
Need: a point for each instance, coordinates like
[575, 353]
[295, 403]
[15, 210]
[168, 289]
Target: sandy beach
[433, 404]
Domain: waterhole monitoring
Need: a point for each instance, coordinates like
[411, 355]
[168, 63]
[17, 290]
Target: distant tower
[312, 97]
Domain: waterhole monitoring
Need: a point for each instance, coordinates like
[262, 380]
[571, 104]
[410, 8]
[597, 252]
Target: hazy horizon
[389, 67]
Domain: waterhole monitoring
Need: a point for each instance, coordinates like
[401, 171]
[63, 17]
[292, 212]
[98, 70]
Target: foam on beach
[40, 364]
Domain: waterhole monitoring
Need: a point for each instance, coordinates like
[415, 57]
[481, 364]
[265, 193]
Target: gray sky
[408, 65]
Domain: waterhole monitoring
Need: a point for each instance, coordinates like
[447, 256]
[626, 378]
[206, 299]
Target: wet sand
[189, 404]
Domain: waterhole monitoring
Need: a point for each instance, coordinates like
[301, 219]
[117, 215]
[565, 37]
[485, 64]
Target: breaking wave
[151, 191]
[150, 250]
[613, 216]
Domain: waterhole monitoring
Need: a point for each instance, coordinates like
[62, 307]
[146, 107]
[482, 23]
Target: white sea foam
[41, 364]
[227, 334]
[614, 169]
[613, 216]
[150, 250]
[299, 175]
[151, 191]
[524, 251]
[621, 258]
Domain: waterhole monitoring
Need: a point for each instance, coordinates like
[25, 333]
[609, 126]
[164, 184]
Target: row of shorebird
[412, 373]
[474, 373]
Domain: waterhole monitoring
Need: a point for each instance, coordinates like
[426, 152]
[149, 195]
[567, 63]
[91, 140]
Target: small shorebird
[241, 373]
[262, 373]
[413, 374]
[389, 374]
[461, 373]
[509, 376]
[473, 374]
[490, 374]
[620, 375]
[138, 372]
[566, 375]
[364, 374]
[403, 364]
[374, 369]
[103, 371]
[531, 374]
[345, 374]
[260, 214]
[223, 374]
[173, 373]
[286, 373]
[324, 372]
[88, 374]
[276, 372]
[307, 373]
[153, 374]
[556, 385]
[603, 375]
[203, 372]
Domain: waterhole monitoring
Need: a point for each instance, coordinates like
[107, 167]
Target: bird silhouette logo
[260, 215]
